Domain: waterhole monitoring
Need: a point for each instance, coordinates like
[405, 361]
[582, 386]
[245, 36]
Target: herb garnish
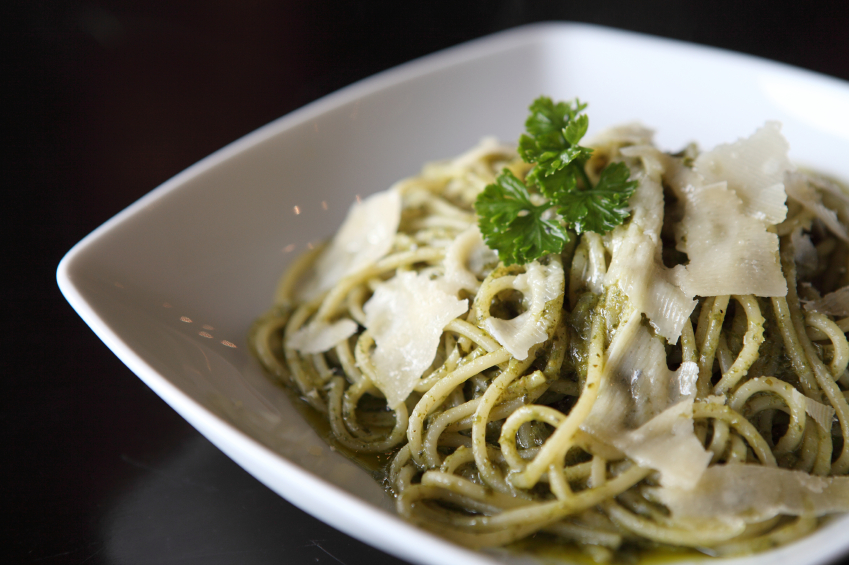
[523, 222]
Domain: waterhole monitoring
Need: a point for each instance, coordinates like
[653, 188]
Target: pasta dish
[677, 380]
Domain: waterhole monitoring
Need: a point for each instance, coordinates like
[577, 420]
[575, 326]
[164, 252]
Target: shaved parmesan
[834, 196]
[731, 197]
[366, 236]
[465, 259]
[646, 411]
[318, 337]
[636, 265]
[834, 303]
[805, 254]
[654, 162]
[729, 251]
[597, 268]
[406, 316]
[649, 287]
[754, 492]
[667, 443]
[540, 285]
[800, 189]
[647, 382]
[821, 413]
[754, 169]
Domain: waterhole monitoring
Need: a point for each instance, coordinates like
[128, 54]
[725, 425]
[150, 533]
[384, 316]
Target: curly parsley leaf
[554, 131]
[552, 186]
[514, 226]
[549, 156]
[576, 129]
[521, 231]
[602, 208]
[547, 117]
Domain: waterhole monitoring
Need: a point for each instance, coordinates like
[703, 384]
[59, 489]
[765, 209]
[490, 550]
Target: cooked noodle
[490, 447]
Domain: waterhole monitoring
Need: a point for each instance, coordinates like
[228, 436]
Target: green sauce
[550, 550]
[377, 464]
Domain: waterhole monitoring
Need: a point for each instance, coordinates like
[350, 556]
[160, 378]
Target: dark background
[105, 101]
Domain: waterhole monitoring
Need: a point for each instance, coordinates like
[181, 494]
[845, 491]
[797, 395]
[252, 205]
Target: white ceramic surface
[172, 283]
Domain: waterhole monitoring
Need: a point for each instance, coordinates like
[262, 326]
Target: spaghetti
[606, 396]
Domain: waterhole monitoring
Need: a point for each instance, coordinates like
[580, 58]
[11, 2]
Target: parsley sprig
[523, 221]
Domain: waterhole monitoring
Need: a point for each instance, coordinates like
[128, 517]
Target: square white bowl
[173, 283]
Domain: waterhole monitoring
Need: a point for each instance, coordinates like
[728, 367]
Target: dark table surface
[106, 100]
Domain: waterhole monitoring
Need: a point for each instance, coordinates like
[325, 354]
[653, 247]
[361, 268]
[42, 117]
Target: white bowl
[172, 283]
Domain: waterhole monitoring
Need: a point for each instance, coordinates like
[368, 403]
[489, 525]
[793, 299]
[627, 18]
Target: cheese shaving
[645, 410]
[801, 188]
[365, 236]
[406, 316]
[754, 169]
[755, 493]
[465, 260]
[540, 285]
[729, 252]
[834, 303]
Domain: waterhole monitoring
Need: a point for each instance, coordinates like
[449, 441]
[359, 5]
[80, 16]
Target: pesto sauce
[377, 464]
[550, 550]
